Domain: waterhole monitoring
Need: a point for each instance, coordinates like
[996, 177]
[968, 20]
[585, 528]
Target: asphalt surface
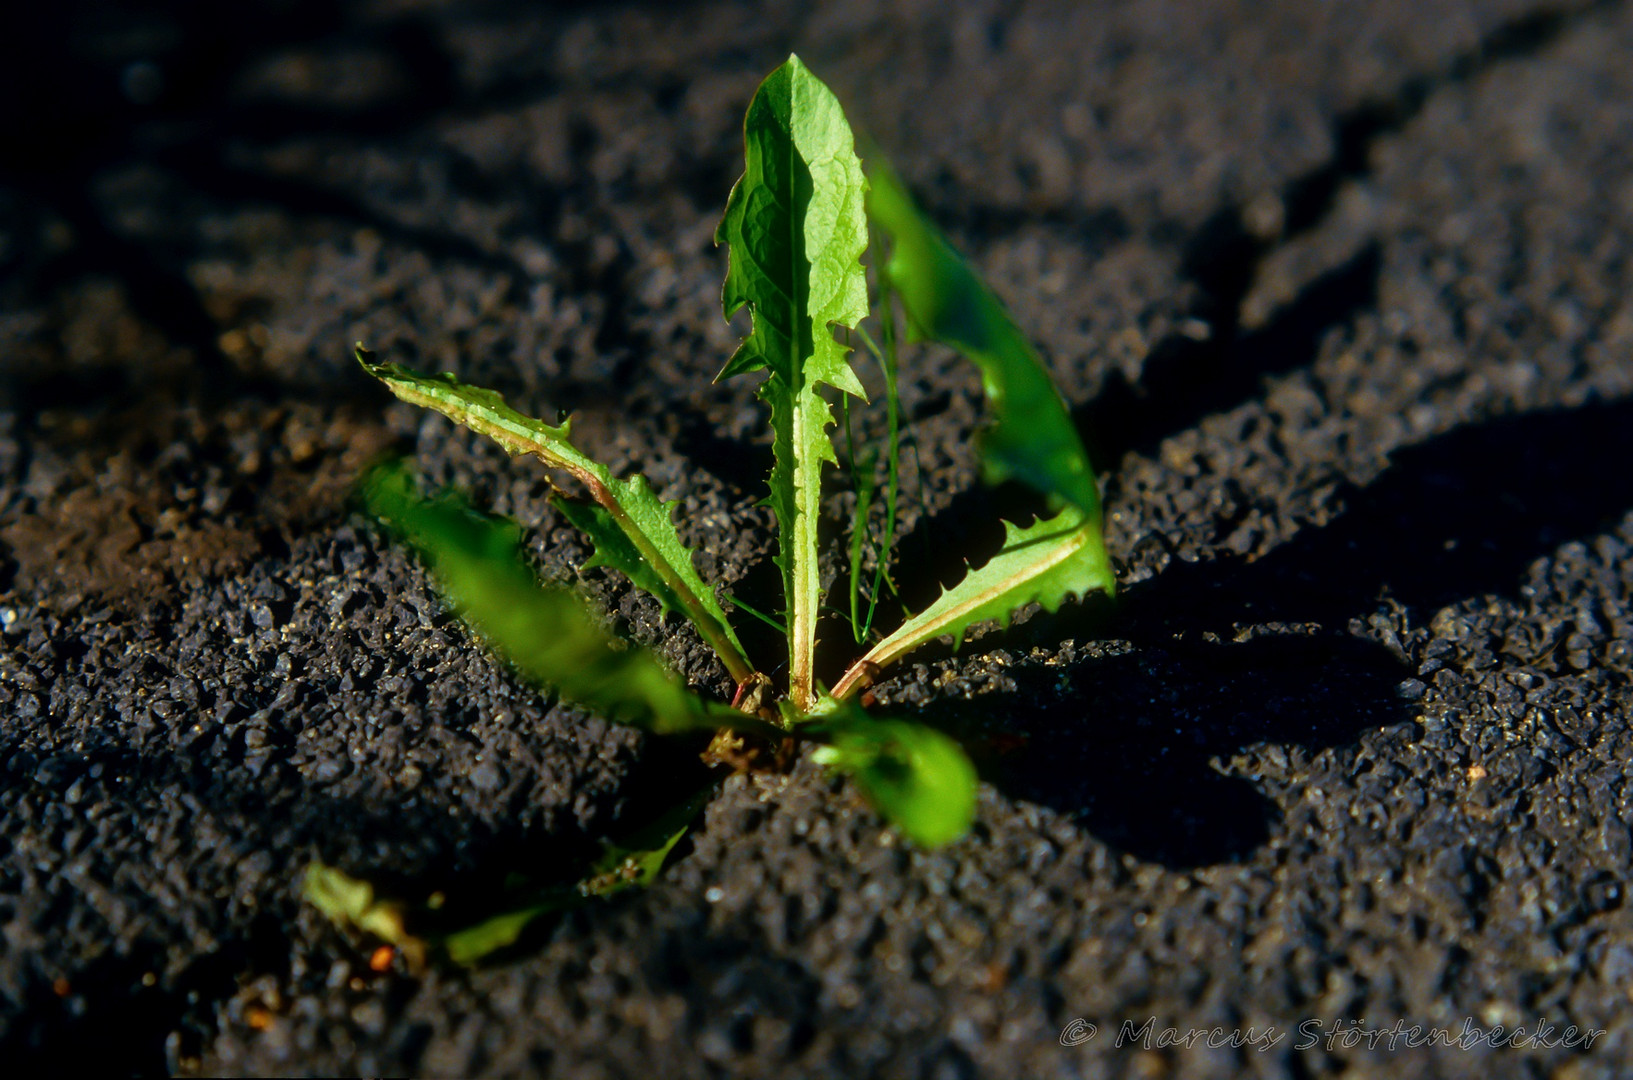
[1339, 295]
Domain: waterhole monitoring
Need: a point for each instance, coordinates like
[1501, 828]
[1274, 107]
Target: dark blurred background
[93, 86]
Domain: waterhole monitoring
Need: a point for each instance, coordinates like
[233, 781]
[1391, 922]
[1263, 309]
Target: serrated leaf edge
[626, 501]
[810, 126]
[1061, 541]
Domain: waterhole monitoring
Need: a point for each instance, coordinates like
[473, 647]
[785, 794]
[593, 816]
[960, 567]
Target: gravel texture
[1339, 294]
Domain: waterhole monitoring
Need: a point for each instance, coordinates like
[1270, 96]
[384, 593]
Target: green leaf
[349, 901]
[548, 634]
[636, 860]
[477, 942]
[613, 548]
[917, 777]
[1031, 438]
[797, 229]
[1044, 564]
[632, 863]
[633, 531]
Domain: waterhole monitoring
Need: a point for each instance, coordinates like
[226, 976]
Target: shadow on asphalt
[1453, 517]
[1127, 742]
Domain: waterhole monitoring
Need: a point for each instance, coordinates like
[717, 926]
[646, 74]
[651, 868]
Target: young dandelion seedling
[796, 226]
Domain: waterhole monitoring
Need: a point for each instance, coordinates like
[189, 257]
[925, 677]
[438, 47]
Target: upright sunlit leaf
[797, 229]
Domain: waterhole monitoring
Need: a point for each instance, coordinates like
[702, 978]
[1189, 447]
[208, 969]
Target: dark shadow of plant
[1138, 739]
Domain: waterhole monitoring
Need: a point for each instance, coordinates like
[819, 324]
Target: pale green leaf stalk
[548, 634]
[633, 531]
[797, 228]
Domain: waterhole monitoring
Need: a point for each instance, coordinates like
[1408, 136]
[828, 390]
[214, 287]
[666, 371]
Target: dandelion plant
[797, 228]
